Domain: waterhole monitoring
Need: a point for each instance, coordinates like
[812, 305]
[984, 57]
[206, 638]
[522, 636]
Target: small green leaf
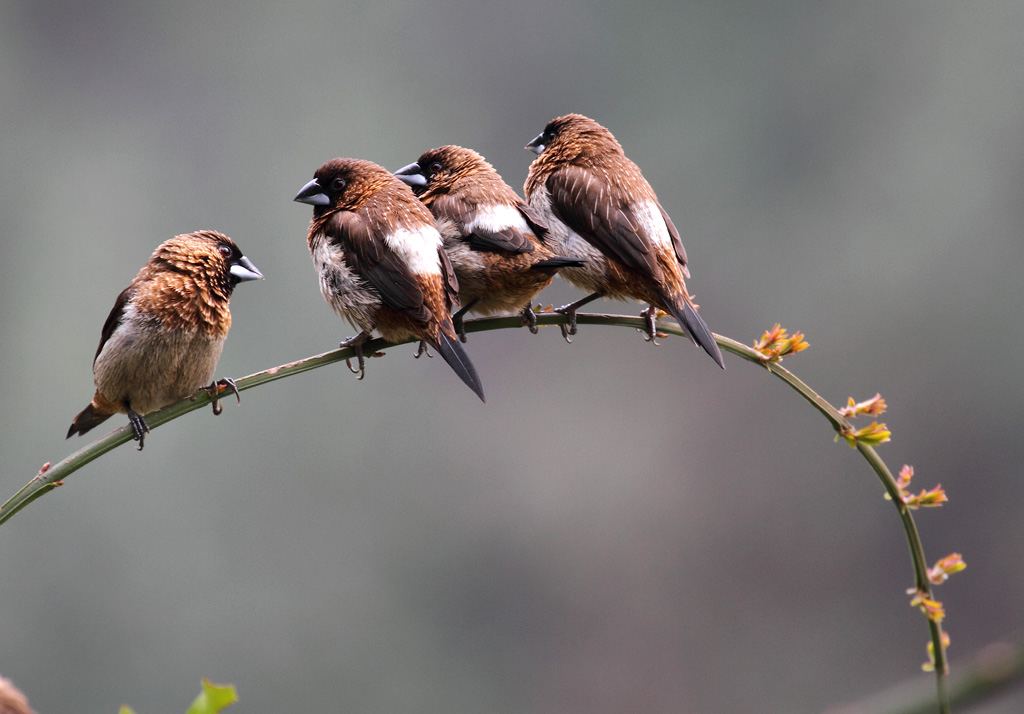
[126, 710]
[214, 698]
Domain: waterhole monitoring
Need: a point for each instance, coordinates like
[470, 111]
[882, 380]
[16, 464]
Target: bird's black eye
[225, 250]
[435, 167]
[337, 184]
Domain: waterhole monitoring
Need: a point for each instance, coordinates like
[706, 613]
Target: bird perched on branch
[494, 240]
[378, 252]
[162, 339]
[598, 206]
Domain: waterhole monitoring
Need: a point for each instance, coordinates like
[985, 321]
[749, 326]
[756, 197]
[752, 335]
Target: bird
[378, 253]
[494, 240]
[166, 331]
[599, 206]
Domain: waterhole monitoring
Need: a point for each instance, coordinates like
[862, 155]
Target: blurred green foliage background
[621, 527]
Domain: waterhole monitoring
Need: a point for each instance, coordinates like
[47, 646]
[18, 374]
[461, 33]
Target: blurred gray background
[620, 528]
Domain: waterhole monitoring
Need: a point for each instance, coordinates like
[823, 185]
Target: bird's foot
[651, 334]
[356, 343]
[139, 427]
[530, 318]
[458, 320]
[569, 329]
[424, 349]
[214, 390]
[570, 312]
[460, 327]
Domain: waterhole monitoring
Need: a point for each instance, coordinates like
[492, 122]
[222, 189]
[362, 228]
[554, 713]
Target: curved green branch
[50, 477]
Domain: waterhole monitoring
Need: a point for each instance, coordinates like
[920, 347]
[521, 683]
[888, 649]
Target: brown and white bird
[494, 240]
[162, 339]
[598, 206]
[378, 252]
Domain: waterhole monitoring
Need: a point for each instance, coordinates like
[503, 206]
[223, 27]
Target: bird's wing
[367, 254]
[677, 243]
[591, 208]
[451, 283]
[479, 235]
[115, 318]
[534, 220]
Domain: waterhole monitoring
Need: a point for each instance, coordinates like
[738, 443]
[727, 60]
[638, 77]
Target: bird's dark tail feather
[690, 321]
[451, 349]
[86, 420]
[559, 262]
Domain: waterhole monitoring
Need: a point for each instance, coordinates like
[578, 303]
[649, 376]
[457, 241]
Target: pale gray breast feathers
[343, 289]
[151, 366]
[564, 241]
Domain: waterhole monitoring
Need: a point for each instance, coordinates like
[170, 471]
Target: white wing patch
[495, 218]
[649, 216]
[418, 248]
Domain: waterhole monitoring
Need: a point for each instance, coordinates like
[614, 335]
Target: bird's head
[571, 136]
[439, 170]
[209, 258]
[344, 185]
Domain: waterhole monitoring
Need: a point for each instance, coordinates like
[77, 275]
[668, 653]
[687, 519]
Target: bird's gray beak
[412, 175]
[537, 145]
[243, 270]
[313, 194]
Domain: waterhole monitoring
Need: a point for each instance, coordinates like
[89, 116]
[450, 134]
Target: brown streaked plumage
[378, 253]
[493, 239]
[599, 206]
[162, 339]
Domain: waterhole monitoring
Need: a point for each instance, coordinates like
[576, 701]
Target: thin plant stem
[993, 671]
[50, 478]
